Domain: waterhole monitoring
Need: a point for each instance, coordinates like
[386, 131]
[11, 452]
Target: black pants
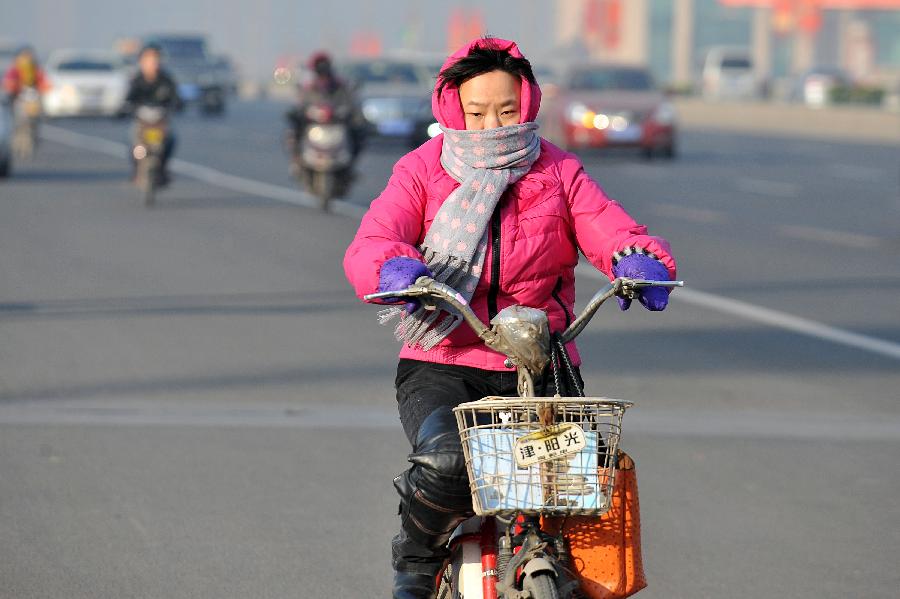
[422, 387]
[434, 492]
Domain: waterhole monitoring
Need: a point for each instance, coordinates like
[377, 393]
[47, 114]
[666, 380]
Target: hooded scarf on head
[445, 102]
[485, 162]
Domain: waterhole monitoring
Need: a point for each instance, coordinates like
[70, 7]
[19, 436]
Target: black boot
[434, 500]
[413, 586]
[419, 581]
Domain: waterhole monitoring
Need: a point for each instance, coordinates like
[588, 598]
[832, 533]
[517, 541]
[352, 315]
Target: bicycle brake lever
[629, 287]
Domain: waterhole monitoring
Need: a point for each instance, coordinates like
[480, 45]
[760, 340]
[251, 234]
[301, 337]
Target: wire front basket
[541, 455]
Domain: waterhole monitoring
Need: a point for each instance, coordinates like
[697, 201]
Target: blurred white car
[815, 86]
[391, 93]
[728, 74]
[85, 83]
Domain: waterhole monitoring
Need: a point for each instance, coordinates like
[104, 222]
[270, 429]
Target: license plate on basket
[549, 444]
[502, 484]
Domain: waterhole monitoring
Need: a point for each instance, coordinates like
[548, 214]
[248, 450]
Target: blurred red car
[600, 106]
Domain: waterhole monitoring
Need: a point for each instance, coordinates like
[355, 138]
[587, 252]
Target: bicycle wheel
[541, 586]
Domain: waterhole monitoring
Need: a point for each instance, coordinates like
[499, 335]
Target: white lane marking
[842, 238]
[796, 324]
[347, 208]
[777, 189]
[699, 298]
[87, 142]
[774, 318]
[715, 423]
[242, 185]
[694, 215]
[201, 173]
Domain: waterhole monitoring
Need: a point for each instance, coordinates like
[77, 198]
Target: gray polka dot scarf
[485, 162]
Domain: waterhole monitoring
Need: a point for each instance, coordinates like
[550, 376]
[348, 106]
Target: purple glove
[639, 266]
[399, 273]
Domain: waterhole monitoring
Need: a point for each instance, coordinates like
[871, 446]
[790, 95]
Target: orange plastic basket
[606, 550]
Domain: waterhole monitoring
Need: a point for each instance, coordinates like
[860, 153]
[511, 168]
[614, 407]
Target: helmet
[320, 62]
[25, 49]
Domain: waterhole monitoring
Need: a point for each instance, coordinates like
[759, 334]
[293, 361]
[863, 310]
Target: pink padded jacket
[542, 222]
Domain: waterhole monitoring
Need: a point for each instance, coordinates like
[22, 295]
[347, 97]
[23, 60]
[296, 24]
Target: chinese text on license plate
[549, 444]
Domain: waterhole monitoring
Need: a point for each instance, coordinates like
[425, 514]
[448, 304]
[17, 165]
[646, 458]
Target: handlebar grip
[649, 283]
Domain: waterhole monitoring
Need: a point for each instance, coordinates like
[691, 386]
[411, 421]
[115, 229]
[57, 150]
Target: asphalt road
[193, 404]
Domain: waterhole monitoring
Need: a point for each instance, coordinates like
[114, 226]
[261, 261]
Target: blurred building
[784, 37]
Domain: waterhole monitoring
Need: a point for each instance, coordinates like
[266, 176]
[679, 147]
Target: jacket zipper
[555, 295]
[494, 289]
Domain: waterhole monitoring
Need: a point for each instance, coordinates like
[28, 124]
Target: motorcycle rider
[153, 86]
[24, 72]
[501, 215]
[327, 88]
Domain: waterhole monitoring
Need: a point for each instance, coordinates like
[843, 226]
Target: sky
[256, 33]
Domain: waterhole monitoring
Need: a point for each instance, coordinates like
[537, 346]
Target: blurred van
[727, 73]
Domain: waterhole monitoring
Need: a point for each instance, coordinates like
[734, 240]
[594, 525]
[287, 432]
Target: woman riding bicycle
[499, 214]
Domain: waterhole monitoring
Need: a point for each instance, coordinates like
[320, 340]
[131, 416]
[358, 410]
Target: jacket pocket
[545, 217]
[542, 199]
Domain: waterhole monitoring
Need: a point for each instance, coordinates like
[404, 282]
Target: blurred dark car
[603, 106]
[391, 94]
[425, 126]
[203, 79]
[814, 87]
[548, 78]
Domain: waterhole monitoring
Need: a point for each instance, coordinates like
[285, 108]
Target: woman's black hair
[485, 59]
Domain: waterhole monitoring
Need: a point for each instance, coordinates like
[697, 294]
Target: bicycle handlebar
[622, 286]
[426, 287]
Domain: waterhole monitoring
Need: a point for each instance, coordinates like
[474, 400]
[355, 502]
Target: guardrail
[844, 123]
